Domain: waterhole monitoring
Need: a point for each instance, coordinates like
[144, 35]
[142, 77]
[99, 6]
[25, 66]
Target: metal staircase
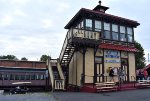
[67, 50]
[77, 38]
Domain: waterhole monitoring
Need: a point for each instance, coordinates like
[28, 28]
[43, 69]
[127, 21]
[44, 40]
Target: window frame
[98, 27]
[106, 25]
[105, 34]
[88, 24]
[117, 36]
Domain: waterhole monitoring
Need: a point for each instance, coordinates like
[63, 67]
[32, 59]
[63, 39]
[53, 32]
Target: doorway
[125, 68]
[99, 71]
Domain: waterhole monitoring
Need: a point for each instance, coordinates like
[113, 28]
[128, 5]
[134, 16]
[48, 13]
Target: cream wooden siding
[70, 71]
[74, 68]
[89, 65]
[131, 64]
[79, 67]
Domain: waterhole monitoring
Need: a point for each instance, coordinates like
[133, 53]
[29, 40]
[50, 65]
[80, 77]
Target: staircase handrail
[65, 44]
[60, 69]
[51, 73]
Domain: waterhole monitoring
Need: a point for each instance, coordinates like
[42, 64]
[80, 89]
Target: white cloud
[6, 20]
[19, 1]
[63, 6]
[18, 12]
[47, 23]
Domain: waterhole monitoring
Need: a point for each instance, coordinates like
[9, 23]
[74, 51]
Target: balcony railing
[86, 34]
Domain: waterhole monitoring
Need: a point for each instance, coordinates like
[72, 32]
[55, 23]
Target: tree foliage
[24, 59]
[44, 57]
[9, 57]
[139, 56]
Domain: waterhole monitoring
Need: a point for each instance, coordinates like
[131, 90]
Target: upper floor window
[81, 24]
[78, 26]
[114, 28]
[114, 36]
[130, 34]
[130, 38]
[123, 37]
[129, 31]
[97, 25]
[107, 34]
[106, 26]
[88, 24]
[114, 32]
[122, 29]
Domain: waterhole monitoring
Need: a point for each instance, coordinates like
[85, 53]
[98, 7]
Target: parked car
[18, 89]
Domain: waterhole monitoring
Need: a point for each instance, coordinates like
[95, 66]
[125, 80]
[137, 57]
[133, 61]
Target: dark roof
[118, 47]
[101, 15]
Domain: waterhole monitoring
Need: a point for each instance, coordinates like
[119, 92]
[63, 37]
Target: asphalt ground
[130, 95]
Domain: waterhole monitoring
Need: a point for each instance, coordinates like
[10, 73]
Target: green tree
[139, 56]
[9, 57]
[24, 59]
[44, 57]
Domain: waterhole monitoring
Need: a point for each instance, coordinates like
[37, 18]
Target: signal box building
[96, 41]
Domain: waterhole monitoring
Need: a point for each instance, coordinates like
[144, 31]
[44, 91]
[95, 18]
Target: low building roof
[22, 64]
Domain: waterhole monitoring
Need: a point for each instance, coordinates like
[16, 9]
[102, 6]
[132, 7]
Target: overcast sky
[30, 28]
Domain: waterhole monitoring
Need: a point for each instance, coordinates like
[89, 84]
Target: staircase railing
[68, 36]
[60, 70]
[50, 73]
[59, 84]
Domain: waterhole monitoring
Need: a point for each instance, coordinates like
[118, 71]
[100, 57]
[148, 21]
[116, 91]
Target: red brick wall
[40, 65]
[8, 64]
[28, 64]
[25, 64]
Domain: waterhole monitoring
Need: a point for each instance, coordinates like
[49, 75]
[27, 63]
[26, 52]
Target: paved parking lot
[27, 97]
[132, 95]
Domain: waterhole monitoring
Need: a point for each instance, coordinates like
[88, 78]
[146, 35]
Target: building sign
[114, 56]
[112, 61]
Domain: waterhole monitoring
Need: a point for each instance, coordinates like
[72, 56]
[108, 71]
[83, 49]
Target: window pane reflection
[107, 34]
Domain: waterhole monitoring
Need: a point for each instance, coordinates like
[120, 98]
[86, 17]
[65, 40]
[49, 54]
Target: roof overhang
[118, 47]
[108, 17]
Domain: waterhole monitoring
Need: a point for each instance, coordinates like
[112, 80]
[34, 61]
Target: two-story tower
[96, 41]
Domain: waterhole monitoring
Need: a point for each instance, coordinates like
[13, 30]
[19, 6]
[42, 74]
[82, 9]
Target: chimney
[100, 8]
